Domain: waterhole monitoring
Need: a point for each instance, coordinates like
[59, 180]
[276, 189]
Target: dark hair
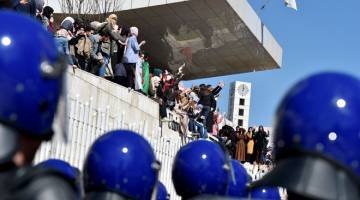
[79, 23]
[145, 54]
[103, 34]
[47, 11]
[261, 128]
[5, 4]
[242, 130]
[88, 28]
[125, 31]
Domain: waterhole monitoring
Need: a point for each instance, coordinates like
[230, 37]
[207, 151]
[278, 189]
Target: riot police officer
[31, 77]
[266, 193]
[317, 139]
[162, 193]
[201, 168]
[120, 165]
[238, 186]
[63, 168]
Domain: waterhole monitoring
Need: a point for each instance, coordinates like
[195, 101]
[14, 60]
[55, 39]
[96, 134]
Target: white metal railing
[86, 123]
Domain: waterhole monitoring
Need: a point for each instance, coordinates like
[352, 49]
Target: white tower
[239, 103]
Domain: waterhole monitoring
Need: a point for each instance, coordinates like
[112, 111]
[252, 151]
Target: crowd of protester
[247, 145]
[113, 52]
[197, 108]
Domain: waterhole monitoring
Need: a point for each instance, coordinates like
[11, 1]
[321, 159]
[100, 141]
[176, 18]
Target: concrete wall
[96, 106]
[119, 100]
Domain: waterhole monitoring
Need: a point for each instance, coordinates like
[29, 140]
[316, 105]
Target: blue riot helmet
[238, 186]
[317, 139]
[62, 167]
[266, 193]
[30, 81]
[201, 168]
[162, 193]
[120, 163]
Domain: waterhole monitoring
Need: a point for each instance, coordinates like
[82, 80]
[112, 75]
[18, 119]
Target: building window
[240, 122]
[241, 112]
[242, 102]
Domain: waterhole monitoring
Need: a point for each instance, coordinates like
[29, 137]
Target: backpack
[83, 47]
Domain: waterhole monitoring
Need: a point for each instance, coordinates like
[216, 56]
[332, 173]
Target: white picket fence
[86, 123]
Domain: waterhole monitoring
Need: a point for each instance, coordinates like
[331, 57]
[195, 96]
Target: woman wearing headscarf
[63, 36]
[131, 56]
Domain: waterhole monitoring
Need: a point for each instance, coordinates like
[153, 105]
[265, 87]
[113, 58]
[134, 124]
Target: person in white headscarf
[131, 56]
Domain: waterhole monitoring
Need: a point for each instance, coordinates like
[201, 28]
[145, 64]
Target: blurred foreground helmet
[162, 193]
[30, 81]
[238, 186]
[265, 194]
[62, 167]
[317, 138]
[201, 167]
[122, 162]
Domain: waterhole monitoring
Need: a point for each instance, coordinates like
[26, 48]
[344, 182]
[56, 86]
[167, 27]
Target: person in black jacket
[206, 100]
[227, 137]
[5, 4]
[261, 142]
[213, 104]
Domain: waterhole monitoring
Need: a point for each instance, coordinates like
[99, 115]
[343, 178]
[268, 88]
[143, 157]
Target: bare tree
[90, 6]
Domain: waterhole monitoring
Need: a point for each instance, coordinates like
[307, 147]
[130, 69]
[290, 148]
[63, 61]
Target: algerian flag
[291, 4]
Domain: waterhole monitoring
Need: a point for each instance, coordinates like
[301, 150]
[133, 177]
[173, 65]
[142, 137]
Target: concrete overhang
[214, 37]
